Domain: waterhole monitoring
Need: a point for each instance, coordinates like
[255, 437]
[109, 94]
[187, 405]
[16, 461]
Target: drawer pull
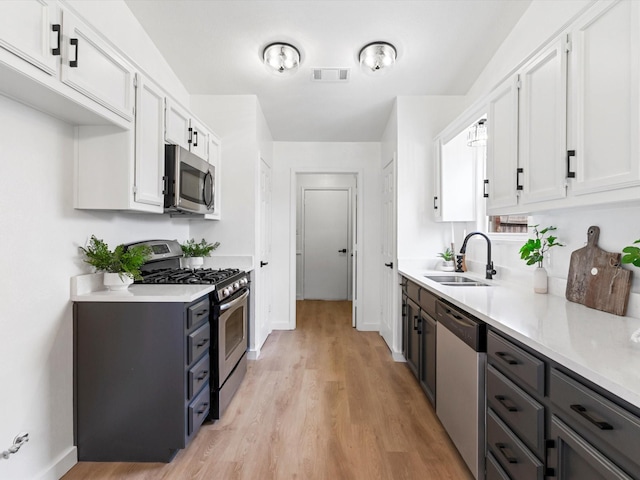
[506, 403]
[601, 424]
[505, 357]
[202, 312]
[202, 376]
[506, 453]
[202, 343]
[202, 409]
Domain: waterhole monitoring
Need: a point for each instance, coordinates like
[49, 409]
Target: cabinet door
[215, 161]
[26, 31]
[413, 337]
[502, 145]
[576, 459]
[92, 68]
[428, 356]
[149, 147]
[542, 127]
[605, 57]
[199, 140]
[177, 125]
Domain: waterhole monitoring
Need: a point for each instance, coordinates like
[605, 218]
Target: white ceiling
[215, 47]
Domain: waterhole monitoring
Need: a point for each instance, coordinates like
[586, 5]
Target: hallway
[323, 402]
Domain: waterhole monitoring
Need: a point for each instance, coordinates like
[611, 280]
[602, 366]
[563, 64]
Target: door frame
[357, 232]
[350, 215]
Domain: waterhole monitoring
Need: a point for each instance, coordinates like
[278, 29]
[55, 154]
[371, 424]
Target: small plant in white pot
[533, 253]
[194, 253]
[447, 260]
[121, 267]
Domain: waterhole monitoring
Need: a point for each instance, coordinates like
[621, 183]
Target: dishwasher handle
[470, 330]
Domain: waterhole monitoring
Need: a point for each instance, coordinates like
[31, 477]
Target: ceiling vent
[330, 74]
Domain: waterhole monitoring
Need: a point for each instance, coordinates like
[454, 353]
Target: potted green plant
[631, 254]
[447, 260]
[120, 266]
[533, 253]
[194, 252]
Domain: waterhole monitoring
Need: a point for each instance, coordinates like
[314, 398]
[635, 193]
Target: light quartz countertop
[89, 288]
[602, 347]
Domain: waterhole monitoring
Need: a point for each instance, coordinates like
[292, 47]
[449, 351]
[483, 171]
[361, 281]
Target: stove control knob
[243, 281]
[236, 285]
[226, 292]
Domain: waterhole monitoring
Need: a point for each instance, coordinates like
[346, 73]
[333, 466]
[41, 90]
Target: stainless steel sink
[457, 281]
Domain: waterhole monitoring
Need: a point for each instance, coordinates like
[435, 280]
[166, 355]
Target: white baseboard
[62, 465]
[398, 357]
[253, 354]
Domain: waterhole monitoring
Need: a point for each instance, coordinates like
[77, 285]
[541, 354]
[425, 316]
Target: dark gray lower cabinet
[141, 378]
[419, 335]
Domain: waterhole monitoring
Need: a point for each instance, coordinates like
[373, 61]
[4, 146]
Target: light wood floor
[323, 402]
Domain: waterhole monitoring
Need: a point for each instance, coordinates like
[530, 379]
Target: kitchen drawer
[198, 342]
[515, 363]
[428, 302]
[494, 470]
[198, 313]
[413, 291]
[198, 375]
[517, 409]
[511, 453]
[605, 421]
[198, 410]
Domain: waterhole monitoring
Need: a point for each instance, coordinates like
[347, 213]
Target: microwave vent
[330, 74]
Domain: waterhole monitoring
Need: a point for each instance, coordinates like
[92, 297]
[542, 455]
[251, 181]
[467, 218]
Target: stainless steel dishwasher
[460, 396]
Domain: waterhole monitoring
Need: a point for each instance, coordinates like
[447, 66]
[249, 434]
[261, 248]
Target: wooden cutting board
[596, 278]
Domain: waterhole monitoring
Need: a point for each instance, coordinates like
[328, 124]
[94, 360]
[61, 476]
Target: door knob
[390, 264]
[344, 250]
[262, 264]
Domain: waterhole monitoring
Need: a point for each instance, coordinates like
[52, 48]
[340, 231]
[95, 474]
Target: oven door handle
[227, 306]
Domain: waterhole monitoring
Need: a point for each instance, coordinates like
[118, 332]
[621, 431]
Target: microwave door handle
[207, 190]
[234, 302]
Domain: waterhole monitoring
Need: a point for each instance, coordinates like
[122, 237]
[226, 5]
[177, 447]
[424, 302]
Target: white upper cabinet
[149, 146]
[31, 30]
[186, 131]
[91, 67]
[605, 89]
[502, 146]
[76, 71]
[456, 169]
[542, 129]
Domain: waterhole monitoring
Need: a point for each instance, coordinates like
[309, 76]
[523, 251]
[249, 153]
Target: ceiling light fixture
[377, 57]
[281, 58]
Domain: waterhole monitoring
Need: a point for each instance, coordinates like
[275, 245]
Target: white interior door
[264, 298]
[327, 252]
[388, 254]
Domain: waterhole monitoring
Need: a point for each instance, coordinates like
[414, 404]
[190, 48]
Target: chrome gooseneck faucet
[490, 272]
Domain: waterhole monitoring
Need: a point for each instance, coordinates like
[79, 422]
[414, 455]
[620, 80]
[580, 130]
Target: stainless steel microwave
[189, 183]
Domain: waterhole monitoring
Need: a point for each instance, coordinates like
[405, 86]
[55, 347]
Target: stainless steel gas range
[229, 318]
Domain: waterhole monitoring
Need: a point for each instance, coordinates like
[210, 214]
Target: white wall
[420, 119]
[39, 236]
[327, 158]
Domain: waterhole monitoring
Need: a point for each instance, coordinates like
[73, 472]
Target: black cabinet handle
[415, 325]
[518, 172]
[390, 264]
[202, 312]
[506, 453]
[485, 193]
[195, 136]
[505, 357]
[74, 63]
[435, 199]
[202, 343]
[202, 409]
[344, 250]
[190, 135]
[263, 264]
[419, 325]
[203, 375]
[506, 403]
[56, 28]
[570, 153]
[583, 412]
